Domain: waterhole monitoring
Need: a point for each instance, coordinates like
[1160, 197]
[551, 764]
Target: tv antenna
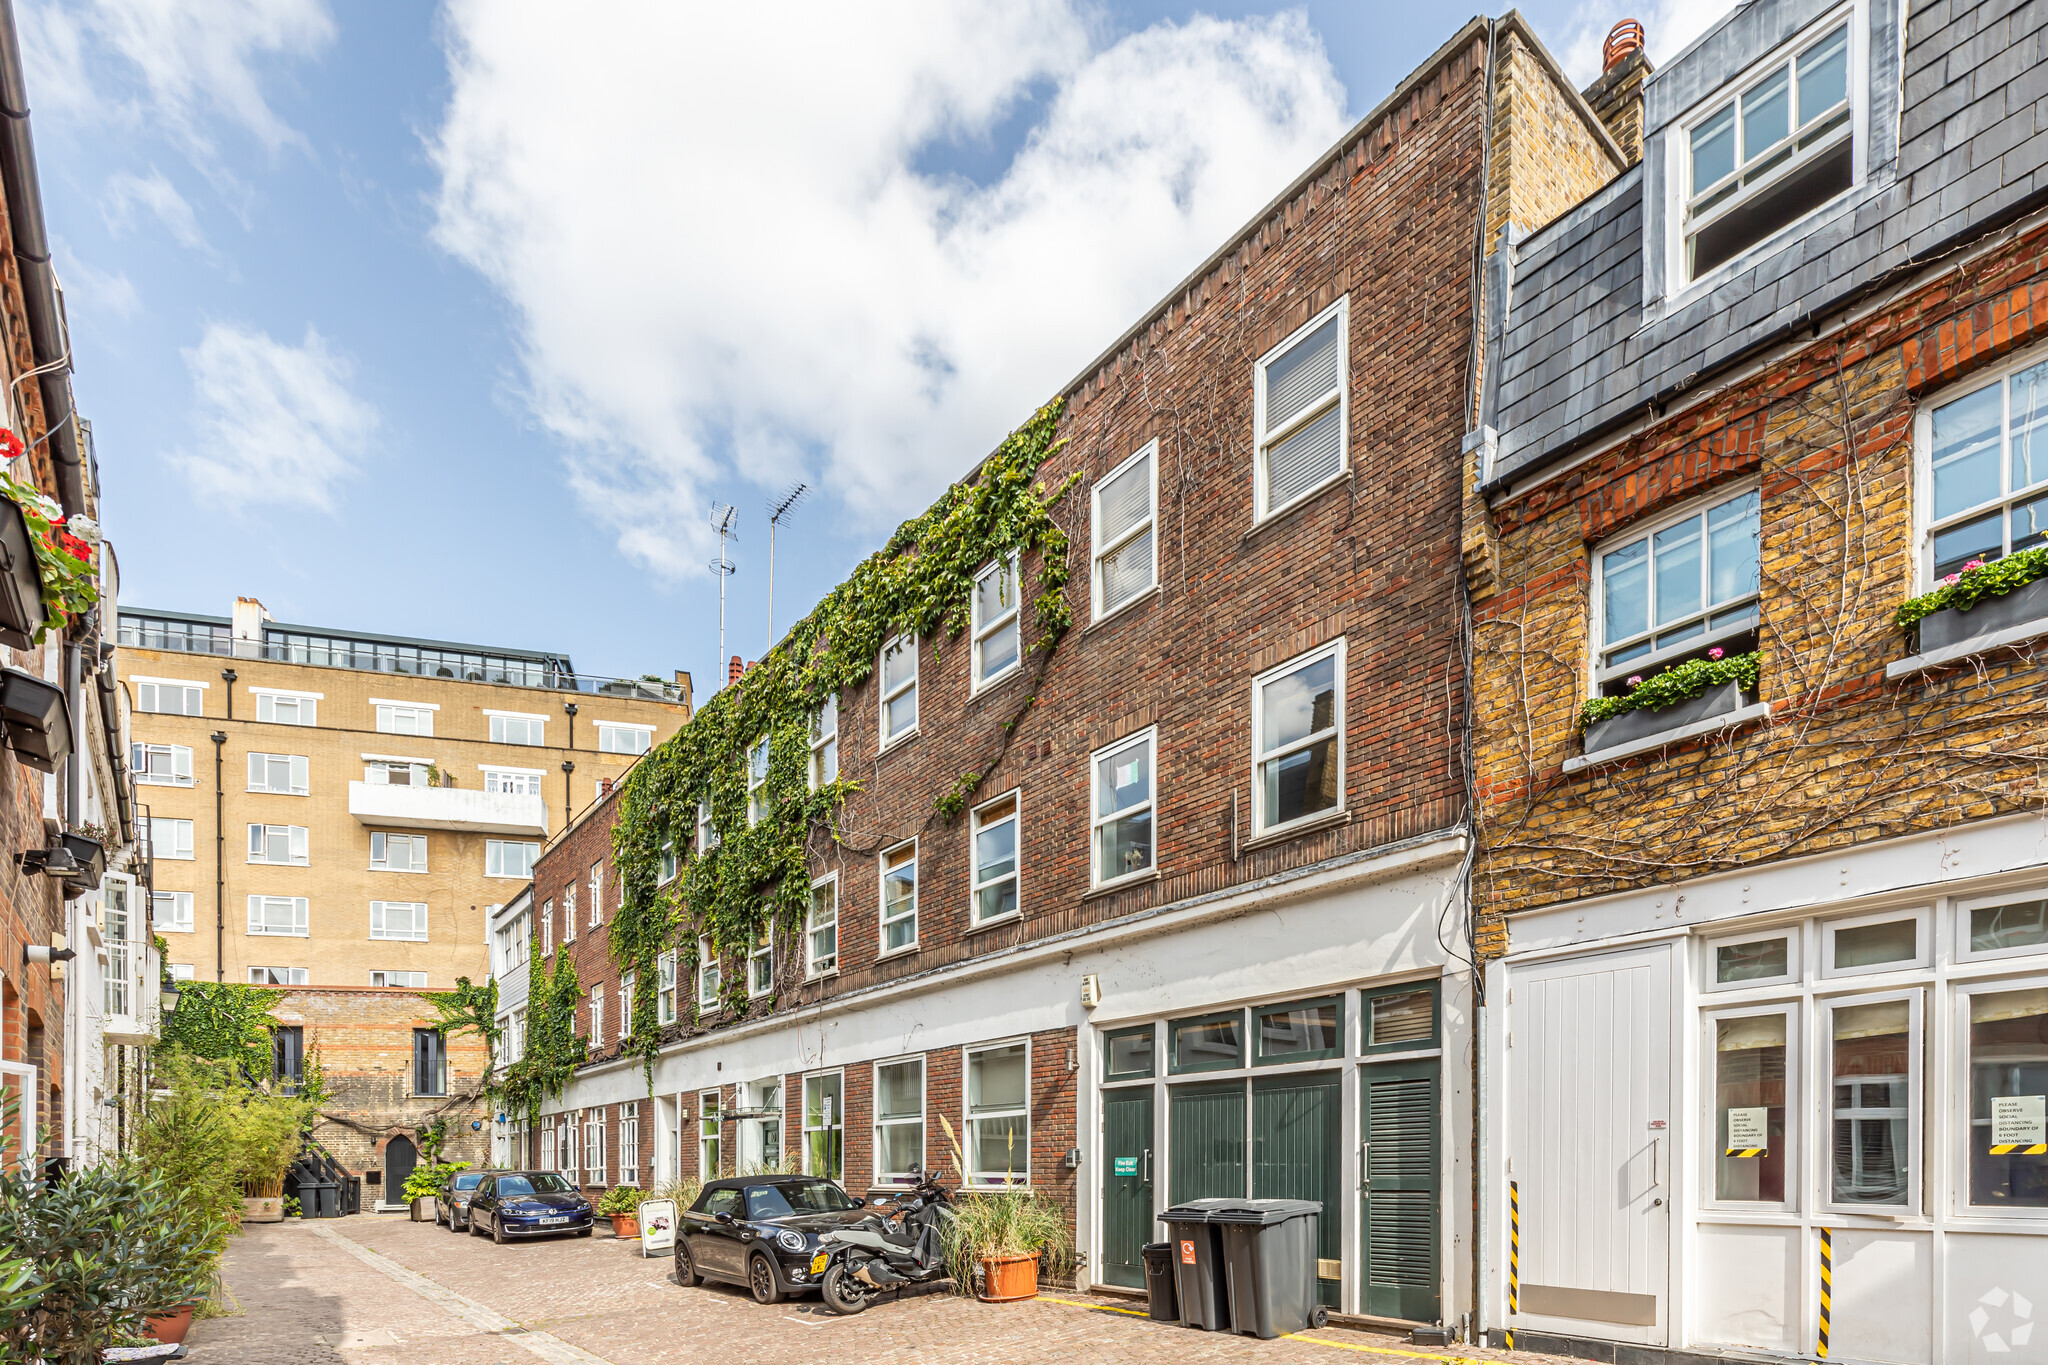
[779, 511]
[723, 515]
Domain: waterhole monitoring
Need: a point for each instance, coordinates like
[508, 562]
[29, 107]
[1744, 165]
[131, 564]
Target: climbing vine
[470, 1009]
[553, 1051]
[222, 1021]
[754, 873]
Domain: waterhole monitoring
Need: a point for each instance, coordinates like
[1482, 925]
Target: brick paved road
[375, 1290]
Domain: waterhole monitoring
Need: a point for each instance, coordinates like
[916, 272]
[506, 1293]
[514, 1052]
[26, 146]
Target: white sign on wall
[1749, 1130]
[2018, 1121]
[657, 1226]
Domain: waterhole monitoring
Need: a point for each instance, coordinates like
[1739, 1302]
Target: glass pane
[1966, 451]
[2030, 426]
[995, 850]
[1766, 114]
[996, 1079]
[1208, 1043]
[1125, 846]
[1749, 1095]
[1302, 783]
[1298, 378]
[993, 902]
[821, 1101]
[1871, 1072]
[1625, 591]
[902, 1147]
[995, 594]
[1732, 549]
[1294, 1030]
[1824, 75]
[899, 1091]
[1130, 1054]
[1983, 538]
[903, 712]
[1127, 571]
[1677, 559]
[1126, 499]
[999, 650]
[899, 887]
[1871, 945]
[1305, 459]
[1299, 705]
[1002, 1147]
[1123, 779]
[2030, 523]
[2009, 1099]
[1764, 960]
[2023, 925]
[1713, 149]
[1407, 1017]
[898, 665]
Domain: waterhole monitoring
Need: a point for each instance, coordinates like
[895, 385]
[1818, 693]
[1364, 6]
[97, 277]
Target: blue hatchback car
[528, 1204]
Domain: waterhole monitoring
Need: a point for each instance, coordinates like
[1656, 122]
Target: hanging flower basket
[70, 578]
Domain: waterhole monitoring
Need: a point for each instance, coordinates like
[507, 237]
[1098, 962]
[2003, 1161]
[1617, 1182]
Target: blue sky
[455, 322]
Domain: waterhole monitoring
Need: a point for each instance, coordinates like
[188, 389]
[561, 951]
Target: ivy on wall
[469, 1009]
[553, 1051]
[222, 1021]
[757, 873]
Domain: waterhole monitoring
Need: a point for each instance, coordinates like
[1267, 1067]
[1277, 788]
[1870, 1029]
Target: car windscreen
[468, 1182]
[795, 1197]
[547, 1182]
[512, 1185]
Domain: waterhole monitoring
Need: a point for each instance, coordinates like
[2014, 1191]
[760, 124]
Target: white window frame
[983, 1179]
[180, 843]
[1962, 1094]
[709, 975]
[1101, 550]
[293, 976]
[176, 757]
[888, 1178]
[1693, 509]
[627, 981]
[569, 914]
[181, 912]
[665, 989]
[883, 919]
[596, 1015]
[547, 928]
[498, 846]
[498, 729]
[813, 968]
[885, 692]
[975, 883]
[833, 1122]
[398, 985]
[764, 952]
[307, 713]
[515, 1034]
[1923, 939]
[156, 688]
[609, 732]
[297, 845]
[1097, 821]
[596, 894]
[1959, 915]
[1678, 152]
[1710, 1125]
[1916, 1100]
[1261, 827]
[1264, 440]
[670, 863]
[380, 925]
[594, 1163]
[983, 631]
[1791, 933]
[387, 711]
[298, 774]
[825, 744]
[1925, 526]
[259, 919]
[707, 828]
[711, 1145]
[512, 781]
[629, 1142]
[413, 838]
[759, 757]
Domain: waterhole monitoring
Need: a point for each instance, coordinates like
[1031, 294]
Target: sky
[461, 322]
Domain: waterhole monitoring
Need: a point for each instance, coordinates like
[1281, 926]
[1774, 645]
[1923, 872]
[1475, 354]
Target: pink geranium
[1636, 681]
[1716, 652]
[1952, 578]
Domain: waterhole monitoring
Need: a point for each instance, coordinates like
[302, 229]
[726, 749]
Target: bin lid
[1264, 1212]
[1199, 1210]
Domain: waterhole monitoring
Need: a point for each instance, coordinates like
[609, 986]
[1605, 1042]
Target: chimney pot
[734, 669]
[1624, 38]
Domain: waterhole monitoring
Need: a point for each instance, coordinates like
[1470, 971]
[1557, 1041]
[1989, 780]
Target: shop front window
[1749, 1102]
[1873, 1073]
[2009, 1099]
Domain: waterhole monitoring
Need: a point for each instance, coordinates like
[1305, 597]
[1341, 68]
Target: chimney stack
[733, 670]
[1617, 97]
[249, 618]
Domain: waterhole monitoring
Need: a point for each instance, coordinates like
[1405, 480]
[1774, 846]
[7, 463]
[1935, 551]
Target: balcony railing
[506, 672]
[466, 810]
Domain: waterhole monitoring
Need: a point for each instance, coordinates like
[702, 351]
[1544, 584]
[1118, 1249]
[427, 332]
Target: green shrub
[620, 1199]
[425, 1182]
[1019, 1222]
[1966, 589]
[1681, 682]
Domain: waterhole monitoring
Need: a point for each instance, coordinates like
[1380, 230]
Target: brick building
[1199, 931]
[1767, 1000]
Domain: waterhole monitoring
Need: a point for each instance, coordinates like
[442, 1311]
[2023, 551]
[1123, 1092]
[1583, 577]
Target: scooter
[865, 1260]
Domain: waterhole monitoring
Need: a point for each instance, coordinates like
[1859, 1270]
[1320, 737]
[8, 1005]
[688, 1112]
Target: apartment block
[1767, 1005]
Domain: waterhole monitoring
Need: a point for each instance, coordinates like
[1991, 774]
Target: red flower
[10, 444]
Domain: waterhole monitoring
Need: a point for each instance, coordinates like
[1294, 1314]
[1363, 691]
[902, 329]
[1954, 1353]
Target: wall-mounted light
[37, 953]
[167, 996]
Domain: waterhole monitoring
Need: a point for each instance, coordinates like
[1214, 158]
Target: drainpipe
[74, 762]
[567, 768]
[570, 707]
[228, 676]
[49, 343]
[220, 863]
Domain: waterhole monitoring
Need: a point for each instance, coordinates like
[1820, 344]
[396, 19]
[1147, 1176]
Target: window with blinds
[1126, 509]
[1300, 407]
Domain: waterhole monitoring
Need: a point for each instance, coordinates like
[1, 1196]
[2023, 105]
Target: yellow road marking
[1291, 1336]
[1098, 1307]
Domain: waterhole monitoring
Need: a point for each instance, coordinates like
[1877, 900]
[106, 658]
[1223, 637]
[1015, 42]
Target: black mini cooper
[762, 1232]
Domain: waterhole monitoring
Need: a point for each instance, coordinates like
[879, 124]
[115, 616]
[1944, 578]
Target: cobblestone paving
[310, 1298]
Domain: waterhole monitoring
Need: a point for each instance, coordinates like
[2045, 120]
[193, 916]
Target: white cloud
[1668, 25]
[98, 291]
[174, 65]
[277, 423]
[723, 262]
[154, 192]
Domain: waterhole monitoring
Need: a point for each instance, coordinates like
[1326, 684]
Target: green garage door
[1206, 1152]
[1126, 1185]
[1400, 1127]
[1294, 1156]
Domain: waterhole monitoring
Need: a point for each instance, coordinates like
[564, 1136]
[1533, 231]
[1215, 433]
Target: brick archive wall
[1826, 430]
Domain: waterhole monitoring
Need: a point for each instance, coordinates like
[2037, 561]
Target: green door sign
[1127, 1165]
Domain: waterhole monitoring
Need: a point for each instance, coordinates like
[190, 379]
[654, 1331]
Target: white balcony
[464, 810]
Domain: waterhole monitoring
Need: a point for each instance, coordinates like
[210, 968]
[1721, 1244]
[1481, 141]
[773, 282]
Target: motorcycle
[864, 1260]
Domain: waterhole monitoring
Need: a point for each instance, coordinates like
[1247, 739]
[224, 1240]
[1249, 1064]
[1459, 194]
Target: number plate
[563, 1219]
[818, 1263]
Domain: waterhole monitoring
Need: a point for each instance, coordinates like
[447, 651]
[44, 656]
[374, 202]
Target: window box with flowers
[1982, 599]
[1713, 686]
[47, 575]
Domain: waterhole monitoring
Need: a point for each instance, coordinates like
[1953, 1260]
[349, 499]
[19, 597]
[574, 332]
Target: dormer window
[1779, 148]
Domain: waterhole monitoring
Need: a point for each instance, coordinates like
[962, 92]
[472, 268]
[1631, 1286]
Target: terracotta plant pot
[1006, 1279]
[625, 1225]
[263, 1208]
[171, 1327]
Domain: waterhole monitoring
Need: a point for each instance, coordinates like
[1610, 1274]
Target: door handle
[1148, 1165]
[1365, 1166]
[1657, 1164]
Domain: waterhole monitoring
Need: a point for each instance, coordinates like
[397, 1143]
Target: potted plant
[1983, 599]
[425, 1184]
[1000, 1237]
[1716, 684]
[621, 1204]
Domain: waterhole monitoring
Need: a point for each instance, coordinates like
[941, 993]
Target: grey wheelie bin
[1269, 1263]
[1197, 1251]
[1162, 1299]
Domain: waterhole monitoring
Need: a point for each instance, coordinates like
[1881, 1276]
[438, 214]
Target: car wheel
[842, 1293]
[497, 1232]
[761, 1279]
[470, 1227]
[686, 1269]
